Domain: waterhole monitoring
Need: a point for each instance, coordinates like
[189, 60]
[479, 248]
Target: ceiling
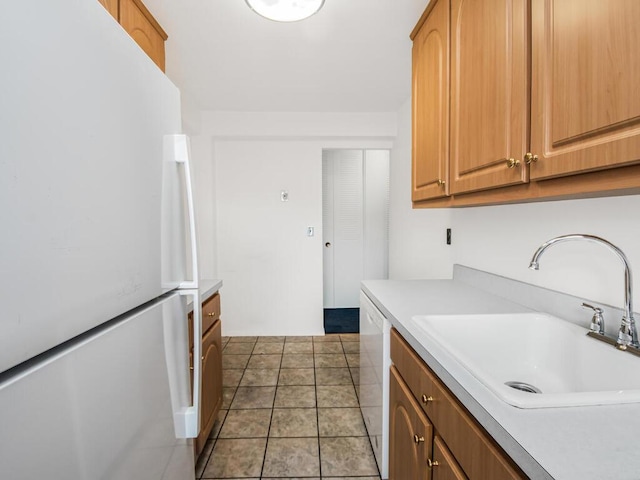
[352, 56]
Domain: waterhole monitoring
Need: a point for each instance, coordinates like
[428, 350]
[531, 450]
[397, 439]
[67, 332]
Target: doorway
[355, 216]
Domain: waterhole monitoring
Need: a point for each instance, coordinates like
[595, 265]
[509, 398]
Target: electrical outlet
[448, 236]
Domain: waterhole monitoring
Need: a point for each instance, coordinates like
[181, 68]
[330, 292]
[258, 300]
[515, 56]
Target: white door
[355, 222]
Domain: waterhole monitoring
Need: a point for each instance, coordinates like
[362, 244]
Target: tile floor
[290, 411]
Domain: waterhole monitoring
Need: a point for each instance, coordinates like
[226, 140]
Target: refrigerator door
[82, 120]
[103, 407]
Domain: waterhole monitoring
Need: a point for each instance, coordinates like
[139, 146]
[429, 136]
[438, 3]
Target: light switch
[310, 231]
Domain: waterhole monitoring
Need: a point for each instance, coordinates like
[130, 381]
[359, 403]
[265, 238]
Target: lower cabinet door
[443, 465]
[211, 395]
[410, 434]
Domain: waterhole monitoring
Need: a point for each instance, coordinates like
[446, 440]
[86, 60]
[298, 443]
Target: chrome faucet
[627, 335]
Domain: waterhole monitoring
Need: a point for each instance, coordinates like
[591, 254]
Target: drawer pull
[426, 399]
[432, 463]
[418, 439]
[212, 314]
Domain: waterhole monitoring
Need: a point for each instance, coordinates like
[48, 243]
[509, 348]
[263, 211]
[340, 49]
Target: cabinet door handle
[426, 399]
[212, 314]
[432, 463]
[512, 163]
[530, 158]
[418, 439]
[441, 183]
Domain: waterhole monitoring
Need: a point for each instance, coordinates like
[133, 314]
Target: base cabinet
[457, 447]
[211, 386]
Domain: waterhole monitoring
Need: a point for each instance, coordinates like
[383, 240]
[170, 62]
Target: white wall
[417, 247]
[502, 239]
[272, 272]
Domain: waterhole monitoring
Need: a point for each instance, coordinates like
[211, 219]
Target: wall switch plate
[310, 231]
[448, 236]
[284, 196]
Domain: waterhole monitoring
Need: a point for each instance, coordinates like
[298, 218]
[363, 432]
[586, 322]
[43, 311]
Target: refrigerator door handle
[182, 155]
[187, 423]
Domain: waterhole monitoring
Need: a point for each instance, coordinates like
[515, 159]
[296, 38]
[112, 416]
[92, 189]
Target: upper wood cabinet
[431, 90]
[585, 96]
[546, 87]
[489, 93]
[111, 6]
[140, 25]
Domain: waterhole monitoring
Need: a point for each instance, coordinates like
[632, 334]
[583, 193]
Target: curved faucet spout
[627, 334]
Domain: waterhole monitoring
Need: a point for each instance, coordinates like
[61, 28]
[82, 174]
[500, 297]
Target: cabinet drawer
[476, 452]
[210, 312]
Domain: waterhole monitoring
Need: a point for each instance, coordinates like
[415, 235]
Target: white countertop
[595, 442]
[207, 287]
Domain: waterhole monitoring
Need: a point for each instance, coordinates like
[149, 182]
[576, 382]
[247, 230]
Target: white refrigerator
[97, 253]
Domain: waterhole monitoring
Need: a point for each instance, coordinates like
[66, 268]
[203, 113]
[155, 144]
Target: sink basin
[553, 356]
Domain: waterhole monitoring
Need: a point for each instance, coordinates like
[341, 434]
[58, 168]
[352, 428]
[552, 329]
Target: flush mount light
[285, 10]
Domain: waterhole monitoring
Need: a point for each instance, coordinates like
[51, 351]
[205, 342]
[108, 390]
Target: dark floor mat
[341, 320]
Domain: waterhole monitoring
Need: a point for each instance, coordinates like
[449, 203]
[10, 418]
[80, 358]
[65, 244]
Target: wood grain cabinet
[543, 102]
[141, 26]
[430, 173]
[211, 390]
[457, 447]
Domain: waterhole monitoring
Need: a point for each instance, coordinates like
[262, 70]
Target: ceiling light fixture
[285, 10]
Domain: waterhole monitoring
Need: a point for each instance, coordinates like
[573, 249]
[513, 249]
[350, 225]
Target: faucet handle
[597, 321]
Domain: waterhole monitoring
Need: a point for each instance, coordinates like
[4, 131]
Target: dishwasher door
[375, 361]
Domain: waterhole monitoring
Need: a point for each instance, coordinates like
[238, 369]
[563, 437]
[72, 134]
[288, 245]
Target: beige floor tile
[298, 347]
[295, 397]
[234, 361]
[264, 361]
[333, 376]
[227, 396]
[243, 339]
[260, 377]
[300, 338]
[272, 339]
[303, 360]
[231, 377]
[332, 337]
[294, 422]
[353, 359]
[340, 422]
[336, 396]
[292, 457]
[246, 423]
[329, 360]
[217, 425]
[296, 376]
[267, 348]
[327, 347]
[238, 348]
[236, 458]
[253, 397]
[350, 337]
[347, 456]
[351, 347]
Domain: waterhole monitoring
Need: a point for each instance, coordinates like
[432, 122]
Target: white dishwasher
[375, 360]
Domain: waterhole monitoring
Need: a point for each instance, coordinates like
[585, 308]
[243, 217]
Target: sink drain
[523, 387]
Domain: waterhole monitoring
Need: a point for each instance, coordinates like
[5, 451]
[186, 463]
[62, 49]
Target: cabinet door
[143, 28]
[430, 108]
[489, 93]
[211, 395]
[585, 102]
[444, 465]
[111, 6]
[410, 434]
